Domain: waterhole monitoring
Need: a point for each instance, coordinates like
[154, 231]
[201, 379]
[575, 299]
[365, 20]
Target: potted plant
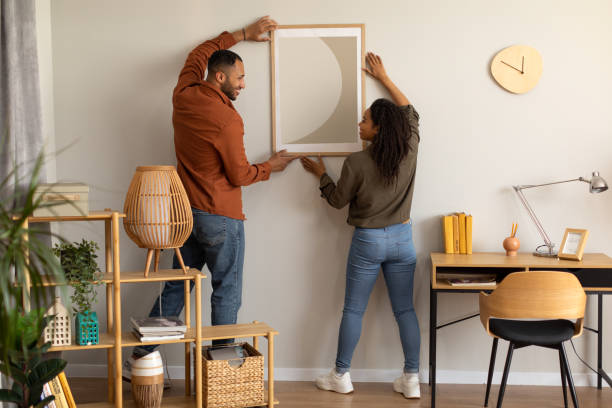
[25, 258]
[78, 260]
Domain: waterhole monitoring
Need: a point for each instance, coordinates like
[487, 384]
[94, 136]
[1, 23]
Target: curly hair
[390, 145]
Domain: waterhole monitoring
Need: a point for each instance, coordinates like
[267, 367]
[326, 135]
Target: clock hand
[511, 66]
[523, 66]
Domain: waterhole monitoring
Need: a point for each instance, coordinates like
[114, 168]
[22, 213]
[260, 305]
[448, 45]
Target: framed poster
[317, 88]
[572, 246]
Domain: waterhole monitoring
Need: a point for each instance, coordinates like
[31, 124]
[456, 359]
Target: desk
[594, 273]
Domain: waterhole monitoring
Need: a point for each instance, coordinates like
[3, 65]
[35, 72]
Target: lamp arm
[522, 187]
[534, 218]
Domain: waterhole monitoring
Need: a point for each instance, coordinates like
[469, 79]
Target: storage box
[227, 386]
[62, 199]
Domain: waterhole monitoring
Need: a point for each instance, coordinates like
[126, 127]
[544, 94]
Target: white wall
[115, 64]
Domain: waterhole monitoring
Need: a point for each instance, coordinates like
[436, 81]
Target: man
[211, 162]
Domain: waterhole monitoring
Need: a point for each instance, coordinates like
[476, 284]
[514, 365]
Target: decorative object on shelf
[62, 200]
[148, 380]
[225, 385]
[78, 260]
[572, 246]
[512, 244]
[596, 185]
[58, 331]
[158, 214]
[517, 68]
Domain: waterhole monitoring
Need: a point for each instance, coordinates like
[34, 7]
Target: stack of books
[457, 233]
[463, 279]
[158, 328]
[58, 387]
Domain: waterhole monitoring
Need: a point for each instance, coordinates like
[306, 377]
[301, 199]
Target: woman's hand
[376, 69]
[315, 167]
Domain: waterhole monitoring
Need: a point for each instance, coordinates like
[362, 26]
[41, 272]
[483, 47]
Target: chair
[537, 308]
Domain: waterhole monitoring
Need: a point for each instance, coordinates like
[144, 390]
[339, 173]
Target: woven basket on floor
[229, 387]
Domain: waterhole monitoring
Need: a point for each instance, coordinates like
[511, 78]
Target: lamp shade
[597, 184]
[158, 214]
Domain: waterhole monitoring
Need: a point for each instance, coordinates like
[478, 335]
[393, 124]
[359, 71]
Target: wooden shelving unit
[114, 340]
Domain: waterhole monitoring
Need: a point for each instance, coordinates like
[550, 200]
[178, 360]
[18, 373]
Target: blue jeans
[218, 242]
[372, 248]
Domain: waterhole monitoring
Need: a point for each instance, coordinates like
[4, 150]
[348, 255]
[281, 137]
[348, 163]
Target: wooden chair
[537, 308]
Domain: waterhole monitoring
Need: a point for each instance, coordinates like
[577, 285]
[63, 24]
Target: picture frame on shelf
[572, 246]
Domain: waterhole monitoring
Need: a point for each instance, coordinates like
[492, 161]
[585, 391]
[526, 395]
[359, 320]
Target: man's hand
[279, 160]
[377, 69]
[315, 167]
[256, 31]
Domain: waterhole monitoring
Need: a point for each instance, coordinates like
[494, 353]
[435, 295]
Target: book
[462, 242]
[447, 232]
[158, 324]
[234, 354]
[468, 234]
[157, 336]
[66, 389]
[47, 393]
[472, 282]
[456, 234]
[56, 389]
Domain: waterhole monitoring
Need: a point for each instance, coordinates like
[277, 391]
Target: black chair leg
[563, 382]
[491, 367]
[568, 374]
[502, 387]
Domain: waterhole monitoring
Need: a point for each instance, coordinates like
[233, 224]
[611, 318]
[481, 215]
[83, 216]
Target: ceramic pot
[148, 381]
[511, 245]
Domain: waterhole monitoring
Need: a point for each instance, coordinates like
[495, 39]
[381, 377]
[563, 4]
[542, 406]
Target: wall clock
[517, 68]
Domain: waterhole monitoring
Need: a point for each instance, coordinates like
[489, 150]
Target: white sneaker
[408, 384]
[335, 382]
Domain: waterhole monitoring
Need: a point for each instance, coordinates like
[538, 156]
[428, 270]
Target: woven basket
[230, 387]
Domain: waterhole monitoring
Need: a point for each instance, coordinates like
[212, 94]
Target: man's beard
[228, 90]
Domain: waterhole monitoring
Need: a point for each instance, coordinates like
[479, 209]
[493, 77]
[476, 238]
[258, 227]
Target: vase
[158, 214]
[511, 245]
[87, 330]
[148, 380]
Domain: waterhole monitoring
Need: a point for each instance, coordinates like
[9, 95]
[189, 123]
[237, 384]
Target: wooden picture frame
[572, 246]
[318, 88]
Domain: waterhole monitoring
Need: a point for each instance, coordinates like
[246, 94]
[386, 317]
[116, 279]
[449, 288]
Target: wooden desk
[594, 273]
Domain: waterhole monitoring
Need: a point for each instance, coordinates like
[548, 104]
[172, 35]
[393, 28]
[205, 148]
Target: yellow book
[66, 389]
[468, 234]
[462, 244]
[456, 233]
[447, 232]
[56, 389]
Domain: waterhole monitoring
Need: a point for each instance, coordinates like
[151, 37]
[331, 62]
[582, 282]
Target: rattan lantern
[158, 214]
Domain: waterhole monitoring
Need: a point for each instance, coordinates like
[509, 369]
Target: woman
[378, 183]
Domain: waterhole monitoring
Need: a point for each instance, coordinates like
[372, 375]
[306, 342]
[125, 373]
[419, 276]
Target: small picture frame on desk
[572, 246]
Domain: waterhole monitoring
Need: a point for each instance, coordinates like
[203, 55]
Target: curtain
[21, 138]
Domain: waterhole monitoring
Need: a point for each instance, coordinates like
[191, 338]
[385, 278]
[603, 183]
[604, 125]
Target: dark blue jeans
[217, 242]
[391, 249]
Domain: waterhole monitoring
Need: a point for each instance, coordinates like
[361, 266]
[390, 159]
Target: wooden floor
[381, 395]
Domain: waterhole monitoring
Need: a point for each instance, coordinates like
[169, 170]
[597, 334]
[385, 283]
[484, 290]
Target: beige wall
[114, 67]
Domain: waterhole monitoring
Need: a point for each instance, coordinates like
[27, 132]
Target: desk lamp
[596, 185]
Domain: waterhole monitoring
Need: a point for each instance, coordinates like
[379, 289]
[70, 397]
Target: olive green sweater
[372, 203]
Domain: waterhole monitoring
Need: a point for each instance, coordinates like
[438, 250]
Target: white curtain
[21, 137]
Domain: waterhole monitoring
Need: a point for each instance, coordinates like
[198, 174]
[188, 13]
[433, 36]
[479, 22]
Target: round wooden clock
[517, 68]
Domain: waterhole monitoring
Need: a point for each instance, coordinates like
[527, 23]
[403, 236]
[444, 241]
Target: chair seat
[533, 332]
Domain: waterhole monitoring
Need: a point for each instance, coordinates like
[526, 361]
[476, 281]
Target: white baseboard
[366, 375]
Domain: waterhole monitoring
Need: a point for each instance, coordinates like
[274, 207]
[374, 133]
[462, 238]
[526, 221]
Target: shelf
[236, 330]
[178, 402]
[107, 340]
[138, 276]
[92, 216]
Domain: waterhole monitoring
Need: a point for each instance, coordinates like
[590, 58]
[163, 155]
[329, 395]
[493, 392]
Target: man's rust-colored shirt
[208, 138]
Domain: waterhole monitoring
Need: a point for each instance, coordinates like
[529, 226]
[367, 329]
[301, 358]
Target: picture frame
[318, 88]
[572, 246]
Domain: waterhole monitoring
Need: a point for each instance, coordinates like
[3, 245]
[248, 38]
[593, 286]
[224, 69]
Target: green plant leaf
[45, 371]
[9, 396]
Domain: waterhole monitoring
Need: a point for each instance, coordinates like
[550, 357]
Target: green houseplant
[78, 260]
[25, 257]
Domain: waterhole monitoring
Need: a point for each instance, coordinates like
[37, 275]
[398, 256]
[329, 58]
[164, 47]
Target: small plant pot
[87, 331]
